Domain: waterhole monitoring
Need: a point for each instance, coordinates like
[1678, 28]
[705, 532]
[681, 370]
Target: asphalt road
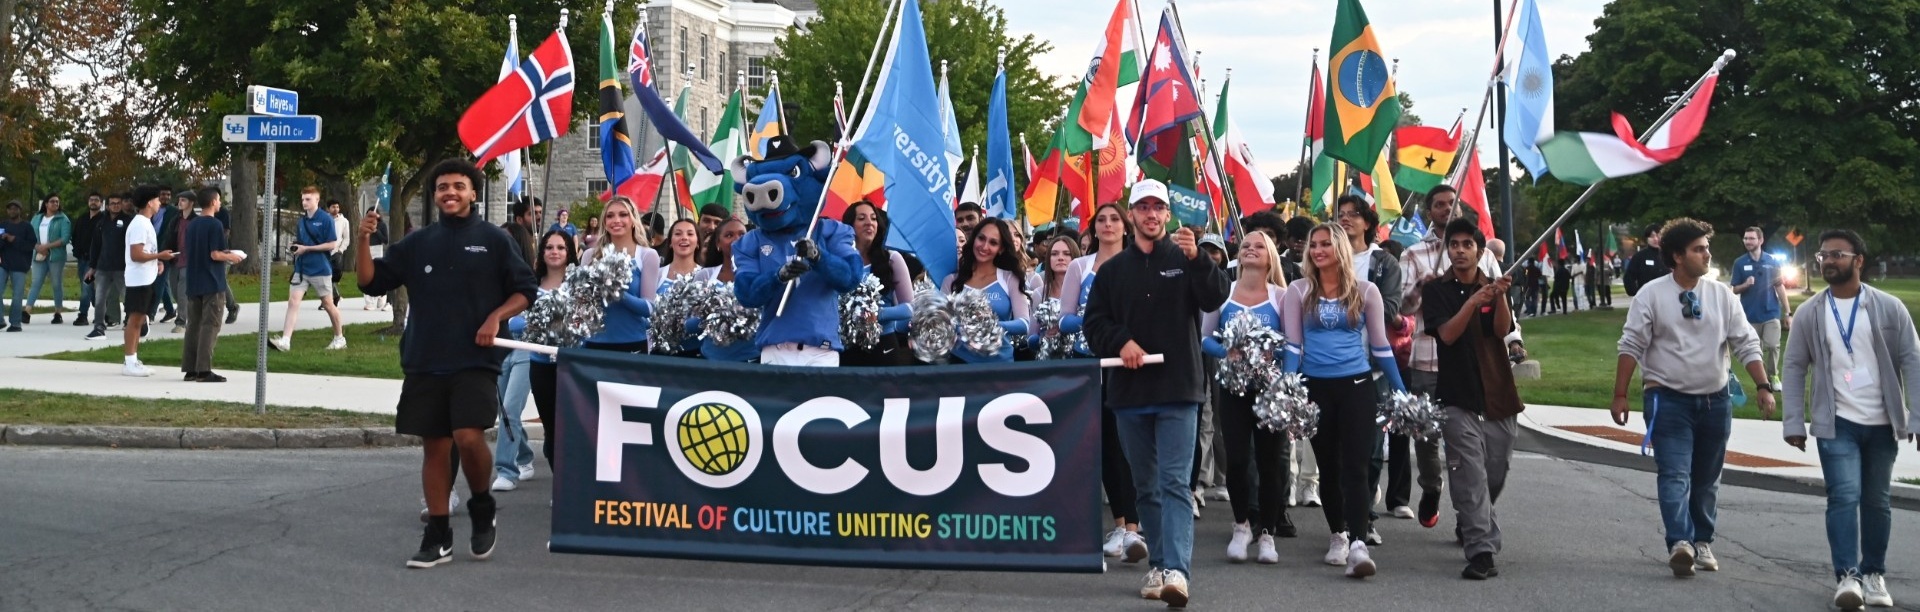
[84, 529]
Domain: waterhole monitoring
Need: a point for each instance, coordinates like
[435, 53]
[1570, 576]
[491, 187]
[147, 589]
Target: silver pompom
[1416, 416]
[547, 320]
[683, 300]
[932, 334]
[1053, 344]
[1250, 361]
[860, 315]
[979, 329]
[590, 288]
[1284, 407]
[726, 321]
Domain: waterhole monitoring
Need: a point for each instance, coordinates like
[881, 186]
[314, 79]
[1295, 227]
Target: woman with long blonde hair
[1337, 335]
[628, 319]
[1252, 452]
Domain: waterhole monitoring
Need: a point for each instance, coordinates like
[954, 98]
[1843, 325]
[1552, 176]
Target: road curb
[202, 438]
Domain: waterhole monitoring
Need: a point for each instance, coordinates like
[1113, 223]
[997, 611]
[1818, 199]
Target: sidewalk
[1755, 446]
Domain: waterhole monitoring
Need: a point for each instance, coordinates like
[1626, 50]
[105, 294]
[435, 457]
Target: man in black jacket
[1646, 264]
[1148, 299]
[109, 265]
[85, 230]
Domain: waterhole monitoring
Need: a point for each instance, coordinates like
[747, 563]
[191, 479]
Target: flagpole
[781, 110]
[1718, 63]
[680, 190]
[1306, 138]
[846, 141]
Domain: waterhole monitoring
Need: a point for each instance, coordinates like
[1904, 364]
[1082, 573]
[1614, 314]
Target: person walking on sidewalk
[84, 231]
[143, 257]
[205, 287]
[16, 260]
[1148, 299]
[1859, 345]
[107, 266]
[53, 230]
[1763, 296]
[467, 279]
[313, 240]
[1469, 315]
[1682, 327]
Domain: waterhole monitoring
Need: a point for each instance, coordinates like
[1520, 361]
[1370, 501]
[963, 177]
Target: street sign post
[256, 128]
[263, 100]
[276, 119]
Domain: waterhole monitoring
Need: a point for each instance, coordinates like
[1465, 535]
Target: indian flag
[1586, 158]
[729, 144]
[1117, 64]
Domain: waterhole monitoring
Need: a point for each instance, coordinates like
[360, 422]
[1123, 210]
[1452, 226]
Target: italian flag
[1117, 65]
[730, 142]
[1251, 187]
[1586, 158]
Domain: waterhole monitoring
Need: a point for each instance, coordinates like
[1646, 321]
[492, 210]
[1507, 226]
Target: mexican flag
[729, 143]
[1251, 187]
[1586, 158]
[1116, 64]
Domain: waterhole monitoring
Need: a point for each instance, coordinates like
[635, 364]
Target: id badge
[1860, 377]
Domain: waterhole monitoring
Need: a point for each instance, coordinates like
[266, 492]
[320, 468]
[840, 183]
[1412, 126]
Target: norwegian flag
[639, 65]
[532, 105]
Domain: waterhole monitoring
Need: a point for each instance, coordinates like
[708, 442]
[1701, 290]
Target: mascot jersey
[781, 194]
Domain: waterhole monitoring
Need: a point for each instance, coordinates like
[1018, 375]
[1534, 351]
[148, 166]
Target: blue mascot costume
[781, 196]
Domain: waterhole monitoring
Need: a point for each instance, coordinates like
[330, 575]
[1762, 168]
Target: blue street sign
[255, 128]
[262, 100]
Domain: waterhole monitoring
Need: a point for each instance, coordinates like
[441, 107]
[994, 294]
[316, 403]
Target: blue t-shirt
[317, 229]
[1761, 302]
[205, 235]
[1336, 346]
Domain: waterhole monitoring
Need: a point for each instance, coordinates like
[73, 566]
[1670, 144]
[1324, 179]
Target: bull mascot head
[782, 191]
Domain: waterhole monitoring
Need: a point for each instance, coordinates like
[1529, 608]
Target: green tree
[967, 34]
[1813, 125]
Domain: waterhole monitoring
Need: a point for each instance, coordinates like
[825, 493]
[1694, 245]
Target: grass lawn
[246, 288]
[367, 355]
[39, 408]
[1577, 353]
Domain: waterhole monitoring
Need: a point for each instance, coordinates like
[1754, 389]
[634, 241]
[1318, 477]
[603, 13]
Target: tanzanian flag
[1363, 106]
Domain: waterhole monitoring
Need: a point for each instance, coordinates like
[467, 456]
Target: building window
[683, 57]
[703, 58]
[595, 187]
[726, 74]
[756, 73]
[593, 136]
[704, 124]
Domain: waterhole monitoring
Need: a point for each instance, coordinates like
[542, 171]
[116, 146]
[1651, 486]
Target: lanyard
[1846, 332]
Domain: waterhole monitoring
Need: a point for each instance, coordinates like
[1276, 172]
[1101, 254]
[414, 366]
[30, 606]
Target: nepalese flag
[1165, 98]
[530, 106]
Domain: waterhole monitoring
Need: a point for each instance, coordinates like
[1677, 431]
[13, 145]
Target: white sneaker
[1293, 496]
[1703, 557]
[1313, 498]
[281, 342]
[1237, 545]
[453, 505]
[500, 483]
[1219, 494]
[135, 369]
[1135, 548]
[1199, 499]
[1359, 562]
[1173, 589]
[339, 342]
[1877, 595]
[1156, 580]
[1116, 542]
[526, 471]
[1337, 549]
[1849, 595]
[1682, 559]
[1402, 512]
[1267, 553]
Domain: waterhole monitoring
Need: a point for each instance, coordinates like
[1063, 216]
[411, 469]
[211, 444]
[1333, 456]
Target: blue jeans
[44, 269]
[1858, 466]
[1158, 441]
[1689, 449]
[86, 288]
[510, 449]
[163, 290]
[17, 282]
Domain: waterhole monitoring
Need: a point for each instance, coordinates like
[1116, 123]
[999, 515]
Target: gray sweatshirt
[1685, 354]
[1897, 358]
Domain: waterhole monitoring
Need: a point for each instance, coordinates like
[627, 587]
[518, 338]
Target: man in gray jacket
[1858, 343]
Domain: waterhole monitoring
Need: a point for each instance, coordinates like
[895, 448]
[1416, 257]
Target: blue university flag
[999, 193]
[901, 138]
[1530, 94]
[386, 189]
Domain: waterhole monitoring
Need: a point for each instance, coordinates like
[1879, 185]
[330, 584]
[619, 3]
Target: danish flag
[531, 105]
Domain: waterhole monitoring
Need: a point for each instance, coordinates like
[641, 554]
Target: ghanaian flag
[1425, 154]
[1363, 106]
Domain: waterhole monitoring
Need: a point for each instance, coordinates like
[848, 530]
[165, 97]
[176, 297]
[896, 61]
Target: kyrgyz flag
[1586, 158]
[1115, 64]
[730, 143]
[1364, 106]
[1251, 187]
[1426, 156]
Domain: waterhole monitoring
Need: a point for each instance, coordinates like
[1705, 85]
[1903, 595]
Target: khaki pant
[203, 313]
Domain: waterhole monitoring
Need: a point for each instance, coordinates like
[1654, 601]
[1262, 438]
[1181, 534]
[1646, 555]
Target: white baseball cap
[1149, 188]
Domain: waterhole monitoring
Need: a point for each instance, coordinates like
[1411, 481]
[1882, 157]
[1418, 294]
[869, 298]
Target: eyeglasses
[1832, 255]
[1690, 306]
[1151, 206]
[1350, 214]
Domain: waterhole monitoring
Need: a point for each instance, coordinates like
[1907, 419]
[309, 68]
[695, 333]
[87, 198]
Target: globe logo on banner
[1363, 75]
[714, 438]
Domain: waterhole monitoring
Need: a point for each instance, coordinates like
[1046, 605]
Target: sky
[1445, 48]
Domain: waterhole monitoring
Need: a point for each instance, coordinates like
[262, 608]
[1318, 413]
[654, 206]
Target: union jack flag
[639, 65]
[531, 105]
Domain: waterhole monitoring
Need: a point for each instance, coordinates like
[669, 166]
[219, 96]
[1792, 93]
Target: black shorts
[434, 405]
[142, 299]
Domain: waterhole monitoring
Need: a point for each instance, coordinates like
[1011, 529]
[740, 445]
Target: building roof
[797, 6]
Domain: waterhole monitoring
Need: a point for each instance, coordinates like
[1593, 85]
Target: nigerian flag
[729, 144]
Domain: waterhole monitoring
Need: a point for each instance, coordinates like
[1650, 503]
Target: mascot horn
[781, 194]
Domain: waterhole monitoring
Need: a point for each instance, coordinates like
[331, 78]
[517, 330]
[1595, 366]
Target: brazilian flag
[1363, 106]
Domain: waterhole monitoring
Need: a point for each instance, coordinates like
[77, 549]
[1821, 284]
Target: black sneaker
[209, 377]
[1480, 567]
[1429, 510]
[80, 321]
[14, 328]
[166, 317]
[25, 317]
[145, 328]
[96, 334]
[56, 319]
[483, 509]
[233, 315]
[191, 377]
[436, 545]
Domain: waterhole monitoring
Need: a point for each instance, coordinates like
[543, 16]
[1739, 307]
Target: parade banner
[985, 467]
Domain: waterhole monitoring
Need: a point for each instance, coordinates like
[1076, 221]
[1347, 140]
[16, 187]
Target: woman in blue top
[719, 267]
[561, 224]
[1111, 230]
[626, 320]
[683, 241]
[989, 265]
[556, 253]
[1337, 335]
[870, 227]
[1252, 451]
[53, 229]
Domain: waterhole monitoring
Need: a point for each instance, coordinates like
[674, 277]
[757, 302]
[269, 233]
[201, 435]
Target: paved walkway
[1755, 446]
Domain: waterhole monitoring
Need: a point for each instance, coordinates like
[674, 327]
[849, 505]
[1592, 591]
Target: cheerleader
[990, 266]
[628, 319]
[1062, 249]
[1109, 236]
[719, 267]
[556, 254]
[1252, 451]
[870, 227]
[1336, 329]
[682, 243]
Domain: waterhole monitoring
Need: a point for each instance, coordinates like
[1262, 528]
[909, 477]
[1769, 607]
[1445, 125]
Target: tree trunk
[245, 175]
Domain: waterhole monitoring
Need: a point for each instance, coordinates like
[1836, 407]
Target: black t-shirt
[457, 271]
[17, 255]
[205, 276]
[1459, 382]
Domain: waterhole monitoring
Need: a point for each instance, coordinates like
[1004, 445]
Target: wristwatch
[1767, 387]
